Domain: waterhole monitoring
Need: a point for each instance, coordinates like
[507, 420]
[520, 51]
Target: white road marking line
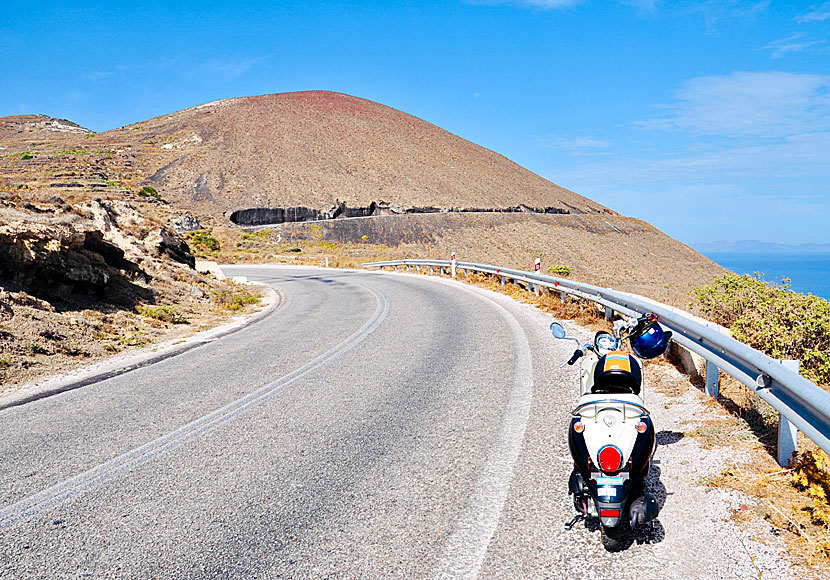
[466, 547]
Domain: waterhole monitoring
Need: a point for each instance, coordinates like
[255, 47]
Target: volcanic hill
[300, 162]
[321, 150]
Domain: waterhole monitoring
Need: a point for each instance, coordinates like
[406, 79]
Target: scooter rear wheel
[612, 538]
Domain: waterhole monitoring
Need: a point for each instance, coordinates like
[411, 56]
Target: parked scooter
[611, 435]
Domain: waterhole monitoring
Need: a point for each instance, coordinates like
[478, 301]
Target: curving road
[374, 425]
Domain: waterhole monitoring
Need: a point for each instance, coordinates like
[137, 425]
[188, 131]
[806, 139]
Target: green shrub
[563, 271]
[773, 319]
[258, 235]
[231, 297]
[149, 191]
[163, 313]
[204, 240]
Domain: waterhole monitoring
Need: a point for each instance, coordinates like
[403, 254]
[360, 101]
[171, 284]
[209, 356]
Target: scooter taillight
[610, 459]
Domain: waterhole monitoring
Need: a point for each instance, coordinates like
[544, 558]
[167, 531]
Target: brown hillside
[313, 148]
[300, 153]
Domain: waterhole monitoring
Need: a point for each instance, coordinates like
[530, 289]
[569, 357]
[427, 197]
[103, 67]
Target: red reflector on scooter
[609, 513]
[579, 426]
[610, 459]
[641, 427]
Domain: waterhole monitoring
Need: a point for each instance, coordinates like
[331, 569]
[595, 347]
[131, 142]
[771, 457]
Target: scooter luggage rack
[596, 404]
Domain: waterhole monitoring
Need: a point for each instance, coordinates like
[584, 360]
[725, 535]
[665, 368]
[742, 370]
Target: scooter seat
[613, 389]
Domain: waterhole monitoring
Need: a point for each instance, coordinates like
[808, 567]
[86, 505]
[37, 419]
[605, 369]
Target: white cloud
[817, 14]
[794, 43]
[759, 104]
[714, 12]
[644, 5]
[229, 68]
[577, 144]
[739, 153]
[535, 4]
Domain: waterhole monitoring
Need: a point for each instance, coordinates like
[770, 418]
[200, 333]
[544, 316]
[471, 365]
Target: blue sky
[709, 119]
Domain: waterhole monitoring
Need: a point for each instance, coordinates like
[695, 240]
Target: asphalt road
[374, 425]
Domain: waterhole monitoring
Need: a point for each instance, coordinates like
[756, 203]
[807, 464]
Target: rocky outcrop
[259, 216]
[116, 219]
[65, 260]
[101, 250]
[186, 223]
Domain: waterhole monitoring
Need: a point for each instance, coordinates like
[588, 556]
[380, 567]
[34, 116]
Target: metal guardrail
[800, 403]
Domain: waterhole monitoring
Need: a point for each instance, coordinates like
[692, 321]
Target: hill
[328, 152]
[413, 188]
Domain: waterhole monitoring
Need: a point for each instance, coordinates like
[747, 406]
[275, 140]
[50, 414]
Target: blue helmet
[648, 340]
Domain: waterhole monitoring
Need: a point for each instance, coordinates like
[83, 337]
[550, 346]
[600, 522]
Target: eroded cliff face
[77, 281]
[68, 254]
[260, 216]
[55, 261]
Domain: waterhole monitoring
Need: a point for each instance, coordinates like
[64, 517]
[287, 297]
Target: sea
[809, 272]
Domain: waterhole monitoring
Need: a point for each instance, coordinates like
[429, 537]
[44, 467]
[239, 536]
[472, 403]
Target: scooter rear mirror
[557, 330]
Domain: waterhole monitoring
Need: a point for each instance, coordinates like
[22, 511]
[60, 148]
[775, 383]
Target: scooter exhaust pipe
[643, 509]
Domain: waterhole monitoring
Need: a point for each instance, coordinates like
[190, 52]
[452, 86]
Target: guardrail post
[564, 297]
[609, 313]
[712, 379]
[502, 280]
[787, 432]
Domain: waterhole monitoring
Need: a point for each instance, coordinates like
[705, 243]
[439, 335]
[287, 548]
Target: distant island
[755, 246]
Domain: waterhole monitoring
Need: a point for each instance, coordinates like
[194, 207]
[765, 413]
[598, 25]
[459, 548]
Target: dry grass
[792, 500]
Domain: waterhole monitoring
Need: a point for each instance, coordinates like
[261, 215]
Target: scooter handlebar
[576, 356]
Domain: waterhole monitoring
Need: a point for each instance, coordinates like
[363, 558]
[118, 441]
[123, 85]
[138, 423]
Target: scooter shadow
[651, 532]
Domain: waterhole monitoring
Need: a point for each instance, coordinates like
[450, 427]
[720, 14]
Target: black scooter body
[583, 482]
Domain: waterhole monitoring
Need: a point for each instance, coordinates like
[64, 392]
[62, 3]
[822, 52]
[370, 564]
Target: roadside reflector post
[787, 432]
[453, 265]
[327, 261]
[712, 379]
